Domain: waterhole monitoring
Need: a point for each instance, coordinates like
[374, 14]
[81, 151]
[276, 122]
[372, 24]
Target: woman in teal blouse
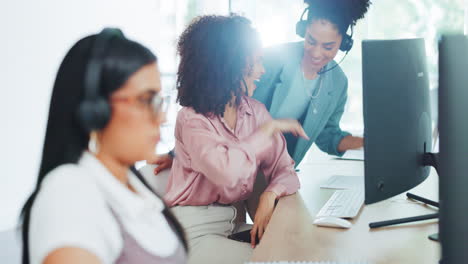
[302, 81]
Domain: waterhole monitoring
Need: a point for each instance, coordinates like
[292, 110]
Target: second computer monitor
[453, 106]
[397, 121]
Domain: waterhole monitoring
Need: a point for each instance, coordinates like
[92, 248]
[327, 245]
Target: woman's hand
[163, 162]
[285, 126]
[350, 142]
[263, 214]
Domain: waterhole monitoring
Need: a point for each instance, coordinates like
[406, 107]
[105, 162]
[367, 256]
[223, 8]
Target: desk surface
[291, 235]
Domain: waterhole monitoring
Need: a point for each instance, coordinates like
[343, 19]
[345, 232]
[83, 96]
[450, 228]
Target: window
[173, 17]
[407, 19]
[385, 19]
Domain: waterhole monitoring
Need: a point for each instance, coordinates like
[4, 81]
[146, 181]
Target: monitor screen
[453, 125]
[397, 116]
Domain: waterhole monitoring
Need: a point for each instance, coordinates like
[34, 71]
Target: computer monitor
[453, 126]
[397, 116]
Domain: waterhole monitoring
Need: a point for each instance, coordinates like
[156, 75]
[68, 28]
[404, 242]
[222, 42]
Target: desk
[291, 235]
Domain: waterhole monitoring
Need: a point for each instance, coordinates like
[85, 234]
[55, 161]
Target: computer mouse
[330, 221]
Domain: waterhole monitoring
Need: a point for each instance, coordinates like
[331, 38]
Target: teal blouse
[299, 97]
[279, 89]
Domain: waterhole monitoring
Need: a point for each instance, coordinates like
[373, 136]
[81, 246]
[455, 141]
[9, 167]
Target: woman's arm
[278, 166]
[71, 255]
[224, 162]
[221, 161]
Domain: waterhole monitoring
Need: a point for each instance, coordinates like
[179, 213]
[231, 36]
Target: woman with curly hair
[223, 139]
[303, 82]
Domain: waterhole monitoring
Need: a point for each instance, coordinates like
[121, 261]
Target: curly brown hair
[215, 54]
[342, 13]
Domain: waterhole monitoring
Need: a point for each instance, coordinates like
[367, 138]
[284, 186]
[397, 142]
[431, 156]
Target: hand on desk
[263, 214]
[350, 142]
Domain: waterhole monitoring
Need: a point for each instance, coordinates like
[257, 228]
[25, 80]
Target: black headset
[94, 111]
[301, 26]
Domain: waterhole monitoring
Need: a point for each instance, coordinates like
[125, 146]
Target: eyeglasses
[151, 100]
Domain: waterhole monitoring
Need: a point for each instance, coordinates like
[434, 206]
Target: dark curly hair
[215, 54]
[342, 13]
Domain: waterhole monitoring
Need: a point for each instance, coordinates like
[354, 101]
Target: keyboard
[343, 204]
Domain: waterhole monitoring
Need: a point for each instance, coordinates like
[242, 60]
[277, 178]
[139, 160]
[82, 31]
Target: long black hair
[65, 138]
[214, 55]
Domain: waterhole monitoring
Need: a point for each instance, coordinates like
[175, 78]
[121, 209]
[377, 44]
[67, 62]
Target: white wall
[466, 17]
[35, 36]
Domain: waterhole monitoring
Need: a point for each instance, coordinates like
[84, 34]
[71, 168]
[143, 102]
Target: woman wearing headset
[90, 205]
[223, 138]
[303, 82]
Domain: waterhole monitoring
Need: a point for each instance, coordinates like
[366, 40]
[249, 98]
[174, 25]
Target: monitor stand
[429, 159]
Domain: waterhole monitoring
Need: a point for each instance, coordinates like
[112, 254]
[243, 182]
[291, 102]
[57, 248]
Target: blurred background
[37, 34]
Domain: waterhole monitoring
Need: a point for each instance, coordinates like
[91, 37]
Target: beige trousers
[207, 228]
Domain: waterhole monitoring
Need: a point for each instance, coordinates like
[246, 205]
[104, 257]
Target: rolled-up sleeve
[278, 166]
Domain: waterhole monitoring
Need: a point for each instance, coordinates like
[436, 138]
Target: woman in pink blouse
[223, 139]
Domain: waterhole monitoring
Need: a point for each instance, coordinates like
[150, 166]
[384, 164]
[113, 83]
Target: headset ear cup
[346, 43]
[94, 115]
[301, 28]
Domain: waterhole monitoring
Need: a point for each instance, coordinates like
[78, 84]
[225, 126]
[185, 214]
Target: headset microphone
[321, 71]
